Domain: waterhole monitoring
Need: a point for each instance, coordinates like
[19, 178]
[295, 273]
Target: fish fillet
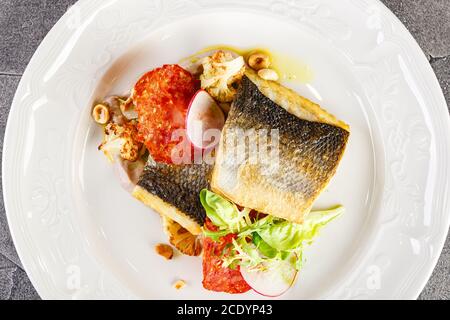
[294, 103]
[173, 191]
[310, 145]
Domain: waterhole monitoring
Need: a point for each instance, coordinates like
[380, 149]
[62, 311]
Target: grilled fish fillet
[294, 103]
[310, 146]
[173, 191]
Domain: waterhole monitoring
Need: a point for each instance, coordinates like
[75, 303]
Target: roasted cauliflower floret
[180, 238]
[221, 74]
[120, 141]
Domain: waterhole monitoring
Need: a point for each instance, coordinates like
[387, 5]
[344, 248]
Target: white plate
[79, 235]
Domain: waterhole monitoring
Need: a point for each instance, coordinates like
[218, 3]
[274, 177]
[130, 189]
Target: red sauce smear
[162, 98]
[215, 276]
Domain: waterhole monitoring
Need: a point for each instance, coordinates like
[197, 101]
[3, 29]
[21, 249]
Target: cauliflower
[120, 140]
[221, 72]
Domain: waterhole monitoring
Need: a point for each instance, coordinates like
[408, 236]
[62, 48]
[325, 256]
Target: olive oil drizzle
[289, 68]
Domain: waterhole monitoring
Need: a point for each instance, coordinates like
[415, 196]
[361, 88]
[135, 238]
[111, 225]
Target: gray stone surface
[438, 287]
[7, 269]
[24, 23]
[428, 21]
[8, 85]
[14, 283]
[441, 67]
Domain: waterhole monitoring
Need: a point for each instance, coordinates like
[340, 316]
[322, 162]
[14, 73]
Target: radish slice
[205, 121]
[278, 278]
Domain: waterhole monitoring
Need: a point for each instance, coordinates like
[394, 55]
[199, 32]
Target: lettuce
[215, 235]
[266, 240]
[263, 247]
[316, 220]
[218, 210]
[282, 236]
[223, 213]
[289, 236]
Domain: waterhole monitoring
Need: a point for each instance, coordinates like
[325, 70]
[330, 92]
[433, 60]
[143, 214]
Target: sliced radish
[278, 278]
[205, 121]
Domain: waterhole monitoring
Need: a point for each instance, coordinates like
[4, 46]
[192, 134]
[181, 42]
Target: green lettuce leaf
[286, 235]
[282, 236]
[220, 211]
[224, 213]
[215, 235]
[316, 220]
[263, 247]
[263, 242]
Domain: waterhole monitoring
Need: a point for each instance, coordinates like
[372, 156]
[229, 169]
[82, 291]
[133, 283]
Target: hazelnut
[180, 284]
[259, 61]
[268, 74]
[101, 114]
[164, 250]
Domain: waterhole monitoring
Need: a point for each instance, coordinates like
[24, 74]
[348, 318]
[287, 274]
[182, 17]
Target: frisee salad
[262, 242]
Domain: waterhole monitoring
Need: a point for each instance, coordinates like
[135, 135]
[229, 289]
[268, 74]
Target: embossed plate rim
[36, 264]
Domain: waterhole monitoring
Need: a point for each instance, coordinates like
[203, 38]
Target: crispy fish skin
[294, 103]
[309, 154]
[173, 191]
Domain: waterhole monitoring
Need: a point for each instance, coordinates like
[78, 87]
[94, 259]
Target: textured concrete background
[24, 23]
